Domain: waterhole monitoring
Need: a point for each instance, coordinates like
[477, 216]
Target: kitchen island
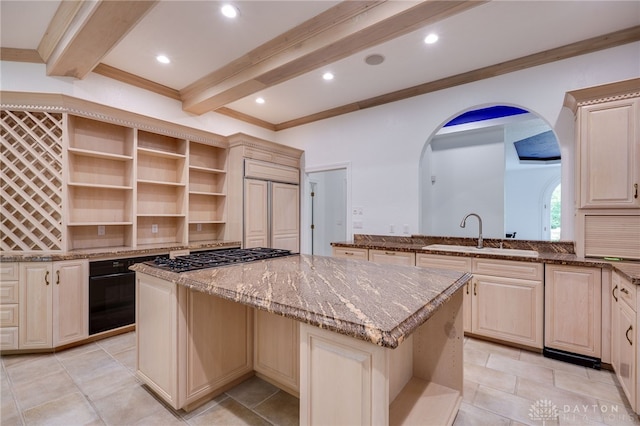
[377, 343]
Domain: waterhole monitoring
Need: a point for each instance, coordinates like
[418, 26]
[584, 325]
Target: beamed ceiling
[279, 50]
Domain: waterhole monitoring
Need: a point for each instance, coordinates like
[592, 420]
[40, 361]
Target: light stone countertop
[382, 304]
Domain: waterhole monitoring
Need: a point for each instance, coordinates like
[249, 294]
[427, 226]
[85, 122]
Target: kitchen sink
[487, 250]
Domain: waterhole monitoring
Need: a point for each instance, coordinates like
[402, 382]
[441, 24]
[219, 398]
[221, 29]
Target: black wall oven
[112, 294]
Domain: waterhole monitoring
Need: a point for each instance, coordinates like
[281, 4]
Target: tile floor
[95, 384]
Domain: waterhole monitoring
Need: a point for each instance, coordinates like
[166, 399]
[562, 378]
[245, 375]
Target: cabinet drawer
[627, 292]
[9, 271]
[507, 269]
[8, 338]
[9, 291]
[9, 315]
[351, 253]
[453, 263]
[392, 257]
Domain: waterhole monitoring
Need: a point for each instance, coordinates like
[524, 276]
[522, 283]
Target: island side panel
[343, 380]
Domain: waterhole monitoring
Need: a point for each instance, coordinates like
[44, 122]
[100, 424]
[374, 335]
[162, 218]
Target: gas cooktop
[215, 258]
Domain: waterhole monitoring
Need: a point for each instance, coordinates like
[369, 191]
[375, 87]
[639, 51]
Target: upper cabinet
[609, 154]
[607, 169]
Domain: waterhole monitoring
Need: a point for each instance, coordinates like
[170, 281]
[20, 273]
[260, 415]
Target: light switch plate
[101, 230]
[154, 228]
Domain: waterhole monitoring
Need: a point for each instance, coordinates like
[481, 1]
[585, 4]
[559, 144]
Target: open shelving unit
[207, 191]
[161, 189]
[99, 182]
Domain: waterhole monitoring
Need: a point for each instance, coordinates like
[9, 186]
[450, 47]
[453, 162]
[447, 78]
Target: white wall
[384, 144]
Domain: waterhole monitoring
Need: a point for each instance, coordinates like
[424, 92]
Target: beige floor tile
[119, 343]
[469, 390]
[43, 389]
[618, 414]
[595, 389]
[88, 365]
[490, 377]
[108, 382]
[129, 405]
[554, 364]
[161, 417]
[78, 350]
[469, 415]
[520, 368]
[127, 358]
[571, 406]
[30, 369]
[476, 356]
[9, 414]
[280, 409]
[228, 412]
[71, 409]
[507, 405]
[204, 407]
[252, 392]
[604, 376]
[491, 347]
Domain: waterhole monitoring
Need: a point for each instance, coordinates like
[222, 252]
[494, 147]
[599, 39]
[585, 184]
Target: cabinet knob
[46, 278]
[624, 290]
[390, 253]
[58, 277]
[613, 292]
[635, 193]
[626, 334]
[467, 288]
[475, 286]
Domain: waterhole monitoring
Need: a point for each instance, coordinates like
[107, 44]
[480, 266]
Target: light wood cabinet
[624, 337]
[277, 350]
[573, 309]
[609, 154]
[256, 213]
[349, 381]
[36, 305]
[178, 334]
[9, 305]
[351, 253]
[53, 308]
[70, 301]
[451, 263]
[391, 257]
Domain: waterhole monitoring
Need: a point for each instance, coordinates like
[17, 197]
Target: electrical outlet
[198, 227]
[154, 228]
[392, 228]
[357, 224]
[101, 230]
[405, 229]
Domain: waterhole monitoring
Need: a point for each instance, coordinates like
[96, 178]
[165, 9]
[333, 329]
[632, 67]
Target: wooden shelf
[100, 137]
[99, 223]
[160, 183]
[98, 154]
[206, 231]
[95, 185]
[160, 169]
[424, 402]
[87, 236]
[213, 194]
[99, 204]
[203, 156]
[160, 154]
[208, 208]
[157, 144]
[158, 200]
[170, 229]
[207, 170]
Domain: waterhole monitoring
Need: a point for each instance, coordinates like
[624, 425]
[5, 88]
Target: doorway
[327, 201]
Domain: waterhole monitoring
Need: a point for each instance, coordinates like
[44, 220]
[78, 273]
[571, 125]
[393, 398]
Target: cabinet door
[573, 309]
[36, 305]
[256, 224]
[392, 257]
[351, 253]
[453, 263]
[508, 309]
[70, 301]
[609, 154]
[277, 349]
[626, 340]
[285, 216]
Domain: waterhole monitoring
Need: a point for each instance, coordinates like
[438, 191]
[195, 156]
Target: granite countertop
[558, 253]
[382, 304]
[112, 253]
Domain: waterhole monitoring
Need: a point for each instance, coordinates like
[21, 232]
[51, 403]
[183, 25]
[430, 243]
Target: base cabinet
[573, 309]
[277, 350]
[390, 257]
[53, 307]
[349, 381]
[178, 337]
[624, 337]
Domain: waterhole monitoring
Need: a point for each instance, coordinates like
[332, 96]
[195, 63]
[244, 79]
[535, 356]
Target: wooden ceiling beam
[331, 36]
[83, 32]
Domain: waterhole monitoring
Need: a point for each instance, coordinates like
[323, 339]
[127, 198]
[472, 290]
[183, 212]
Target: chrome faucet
[463, 223]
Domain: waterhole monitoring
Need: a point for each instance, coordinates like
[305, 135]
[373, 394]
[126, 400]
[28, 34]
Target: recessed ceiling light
[229, 11]
[431, 38]
[259, 100]
[327, 76]
[374, 59]
[163, 59]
